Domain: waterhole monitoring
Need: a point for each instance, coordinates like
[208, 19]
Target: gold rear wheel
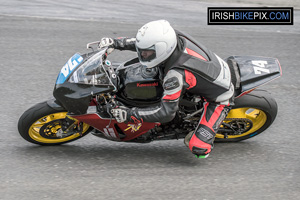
[242, 123]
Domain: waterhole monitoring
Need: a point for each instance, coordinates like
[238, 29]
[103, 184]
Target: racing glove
[107, 42]
[120, 113]
[124, 114]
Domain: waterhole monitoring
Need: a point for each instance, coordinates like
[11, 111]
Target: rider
[188, 67]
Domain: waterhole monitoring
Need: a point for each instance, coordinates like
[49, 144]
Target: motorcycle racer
[188, 67]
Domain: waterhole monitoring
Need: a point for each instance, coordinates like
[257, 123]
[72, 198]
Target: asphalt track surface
[33, 50]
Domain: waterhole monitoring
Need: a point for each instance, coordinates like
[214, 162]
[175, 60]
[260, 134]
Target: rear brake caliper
[235, 126]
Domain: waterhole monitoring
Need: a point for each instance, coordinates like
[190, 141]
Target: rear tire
[40, 123]
[259, 107]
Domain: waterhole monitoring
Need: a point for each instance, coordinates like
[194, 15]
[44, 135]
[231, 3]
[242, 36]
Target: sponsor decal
[147, 84]
[136, 126]
[133, 127]
[250, 15]
[171, 83]
[205, 133]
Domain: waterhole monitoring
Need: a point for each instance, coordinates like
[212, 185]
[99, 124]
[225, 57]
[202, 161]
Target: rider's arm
[173, 86]
[124, 43]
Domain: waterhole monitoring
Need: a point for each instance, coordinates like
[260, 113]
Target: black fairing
[76, 97]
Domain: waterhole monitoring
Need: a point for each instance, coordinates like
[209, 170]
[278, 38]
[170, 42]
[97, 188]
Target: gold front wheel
[42, 125]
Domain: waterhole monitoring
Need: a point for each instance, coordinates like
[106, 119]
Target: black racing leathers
[191, 67]
[123, 43]
[195, 69]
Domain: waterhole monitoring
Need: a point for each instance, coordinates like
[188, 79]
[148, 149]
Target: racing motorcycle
[89, 85]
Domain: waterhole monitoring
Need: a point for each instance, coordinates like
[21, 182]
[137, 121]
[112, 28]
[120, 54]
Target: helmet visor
[146, 55]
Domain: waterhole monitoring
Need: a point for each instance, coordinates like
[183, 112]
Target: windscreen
[91, 72]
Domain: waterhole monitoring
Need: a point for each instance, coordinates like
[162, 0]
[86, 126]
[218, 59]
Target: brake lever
[89, 45]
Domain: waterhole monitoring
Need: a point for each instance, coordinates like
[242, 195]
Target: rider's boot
[199, 145]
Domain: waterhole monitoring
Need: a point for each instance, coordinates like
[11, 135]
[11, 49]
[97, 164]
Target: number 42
[259, 66]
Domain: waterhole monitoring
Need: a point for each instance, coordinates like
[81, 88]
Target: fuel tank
[140, 86]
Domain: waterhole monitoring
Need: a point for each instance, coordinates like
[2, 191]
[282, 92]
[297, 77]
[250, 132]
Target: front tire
[41, 123]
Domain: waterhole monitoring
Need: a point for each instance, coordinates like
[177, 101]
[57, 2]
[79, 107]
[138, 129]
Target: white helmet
[155, 42]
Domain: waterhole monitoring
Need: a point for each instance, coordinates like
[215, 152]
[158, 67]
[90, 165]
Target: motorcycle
[89, 85]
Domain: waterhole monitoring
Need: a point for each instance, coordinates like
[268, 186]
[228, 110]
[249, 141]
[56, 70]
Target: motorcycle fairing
[112, 130]
[255, 71]
[75, 94]
[77, 97]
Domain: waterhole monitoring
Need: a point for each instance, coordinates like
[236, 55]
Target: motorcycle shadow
[137, 155]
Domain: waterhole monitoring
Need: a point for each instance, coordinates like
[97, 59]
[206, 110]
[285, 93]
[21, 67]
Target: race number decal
[260, 66]
[68, 68]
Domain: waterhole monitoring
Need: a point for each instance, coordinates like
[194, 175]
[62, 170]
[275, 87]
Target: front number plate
[68, 68]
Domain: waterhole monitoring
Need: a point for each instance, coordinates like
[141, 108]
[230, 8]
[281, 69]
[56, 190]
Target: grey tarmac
[38, 37]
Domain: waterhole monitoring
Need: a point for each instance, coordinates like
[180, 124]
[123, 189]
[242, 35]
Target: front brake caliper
[67, 123]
